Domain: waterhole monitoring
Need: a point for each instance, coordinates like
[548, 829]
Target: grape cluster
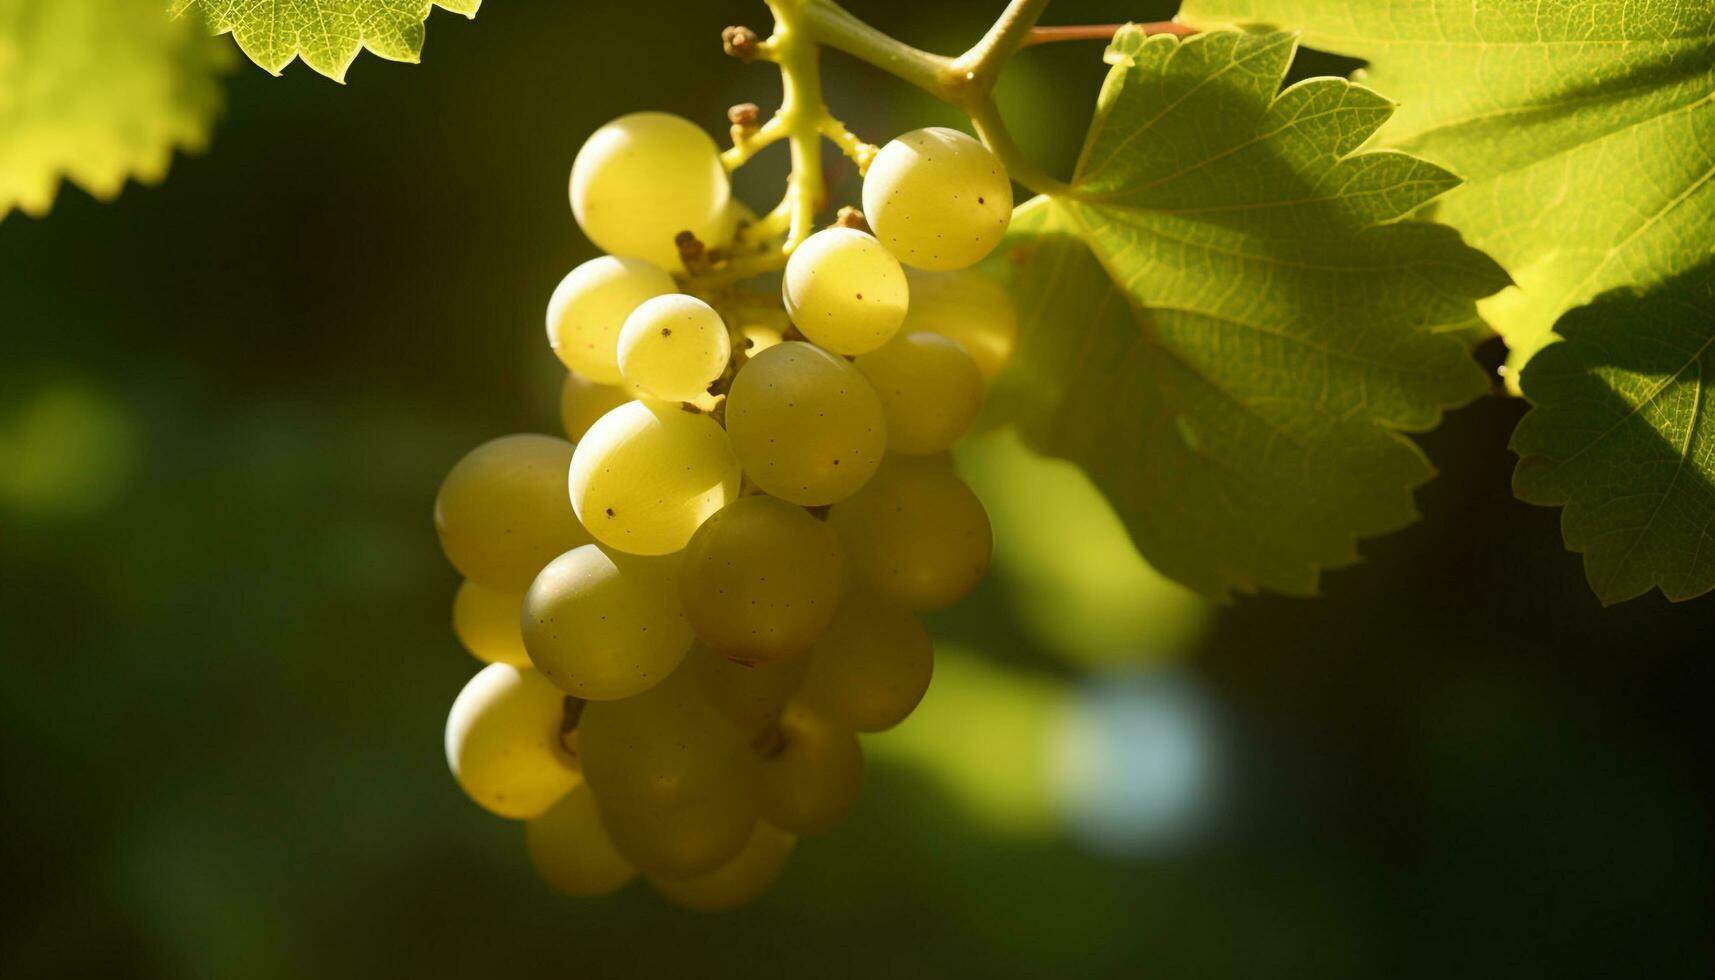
[693, 604]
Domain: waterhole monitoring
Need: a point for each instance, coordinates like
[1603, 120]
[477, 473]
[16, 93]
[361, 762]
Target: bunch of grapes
[693, 604]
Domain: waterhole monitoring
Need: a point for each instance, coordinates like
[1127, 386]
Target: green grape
[871, 668]
[938, 198]
[844, 291]
[642, 179]
[589, 307]
[811, 774]
[486, 622]
[674, 347]
[603, 626]
[737, 882]
[761, 580]
[759, 338]
[969, 307]
[930, 391]
[502, 513]
[661, 750]
[647, 475]
[916, 534]
[503, 742]
[572, 852]
[738, 215]
[751, 695]
[690, 840]
[582, 401]
[806, 424]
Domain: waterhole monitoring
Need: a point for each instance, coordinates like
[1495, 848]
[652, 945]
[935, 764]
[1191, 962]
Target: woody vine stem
[801, 29]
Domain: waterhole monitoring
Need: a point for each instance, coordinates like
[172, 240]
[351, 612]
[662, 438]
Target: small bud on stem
[692, 252]
[850, 217]
[740, 43]
[745, 116]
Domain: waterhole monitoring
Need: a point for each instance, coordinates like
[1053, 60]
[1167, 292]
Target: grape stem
[746, 144]
[966, 81]
[801, 29]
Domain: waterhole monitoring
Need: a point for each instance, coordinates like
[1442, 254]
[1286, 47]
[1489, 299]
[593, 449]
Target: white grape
[589, 307]
[752, 695]
[486, 622]
[761, 580]
[736, 882]
[674, 347]
[642, 179]
[969, 307]
[938, 198]
[845, 291]
[503, 512]
[664, 749]
[871, 668]
[604, 626]
[503, 742]
[811, 774]
[647, 475]
[806, 424]
[689, 840]
[582, 401]
[930, 391]
[759, 338]
[738, 217]
[916, 533]
[571, 850]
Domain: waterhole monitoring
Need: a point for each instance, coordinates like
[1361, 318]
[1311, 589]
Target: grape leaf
[96, 92]
[1585, 131]
[1623, 435]
[1226, 325]
[327, 34]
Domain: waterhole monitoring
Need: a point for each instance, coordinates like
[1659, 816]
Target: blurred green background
[225, 406]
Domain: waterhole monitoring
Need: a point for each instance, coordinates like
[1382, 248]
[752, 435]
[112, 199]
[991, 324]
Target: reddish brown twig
[1101, 32]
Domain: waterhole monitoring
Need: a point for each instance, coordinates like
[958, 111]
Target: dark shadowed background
[225, 406]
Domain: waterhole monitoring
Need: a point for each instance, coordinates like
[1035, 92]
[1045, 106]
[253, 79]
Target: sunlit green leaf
[1585, 131]
[1226, 325]
[326, 34]
[1623, 436]
[98, 92]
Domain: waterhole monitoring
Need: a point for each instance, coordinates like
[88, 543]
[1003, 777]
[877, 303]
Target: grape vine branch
[1102, 32]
